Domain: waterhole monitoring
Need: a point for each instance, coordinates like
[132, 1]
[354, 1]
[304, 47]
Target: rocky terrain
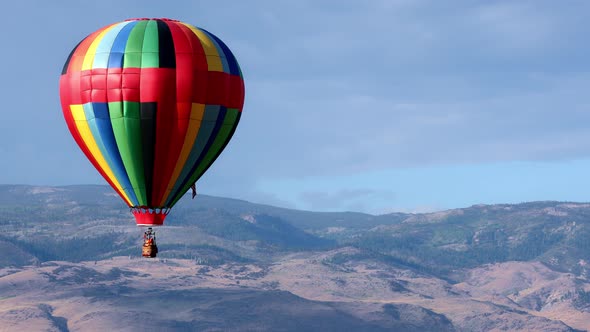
[72, 263]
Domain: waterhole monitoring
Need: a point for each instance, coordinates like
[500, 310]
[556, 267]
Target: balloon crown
[151, 19]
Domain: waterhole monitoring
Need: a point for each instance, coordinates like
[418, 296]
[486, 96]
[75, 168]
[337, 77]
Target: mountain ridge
[484, 267]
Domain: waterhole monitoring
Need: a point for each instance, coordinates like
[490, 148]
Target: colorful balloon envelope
[151, 103]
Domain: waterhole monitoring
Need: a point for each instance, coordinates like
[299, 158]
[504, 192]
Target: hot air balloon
[152, 103]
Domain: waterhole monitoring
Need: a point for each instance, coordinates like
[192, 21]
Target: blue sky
[372, 106]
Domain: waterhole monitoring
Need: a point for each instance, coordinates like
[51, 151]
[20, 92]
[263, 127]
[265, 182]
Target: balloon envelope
[151, 103]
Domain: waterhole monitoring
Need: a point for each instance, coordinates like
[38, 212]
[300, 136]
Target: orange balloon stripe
[196, 117]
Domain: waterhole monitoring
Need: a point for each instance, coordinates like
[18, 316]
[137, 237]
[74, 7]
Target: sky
[373, 106]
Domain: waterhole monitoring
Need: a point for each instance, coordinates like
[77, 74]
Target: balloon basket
[149, 250]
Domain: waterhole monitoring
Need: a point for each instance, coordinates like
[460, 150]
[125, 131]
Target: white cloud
[297, 128]
[347, 199]
[340, 87]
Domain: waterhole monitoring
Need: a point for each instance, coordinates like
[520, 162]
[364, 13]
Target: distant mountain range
[71, 252]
